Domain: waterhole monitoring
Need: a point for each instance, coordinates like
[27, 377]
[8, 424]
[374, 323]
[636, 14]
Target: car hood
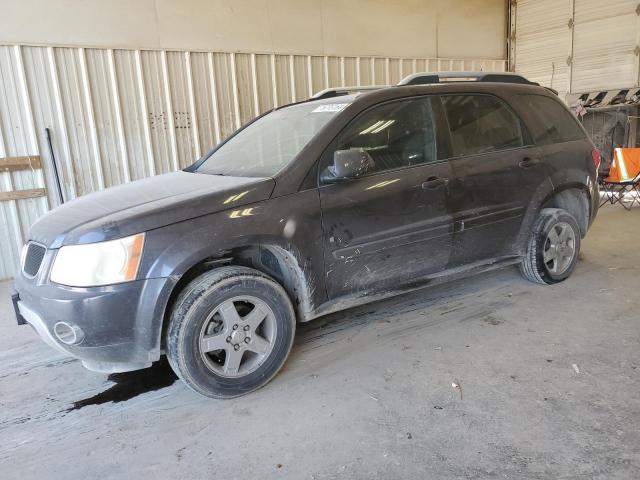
[144, 205]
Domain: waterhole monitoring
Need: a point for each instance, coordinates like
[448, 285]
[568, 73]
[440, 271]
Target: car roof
[494, 88]
[372, 95]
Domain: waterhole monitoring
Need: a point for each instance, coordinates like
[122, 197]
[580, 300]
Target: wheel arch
[280, 263]
[575, 199]
[571, 196]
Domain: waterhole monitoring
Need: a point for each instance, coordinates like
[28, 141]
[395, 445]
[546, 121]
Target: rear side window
[481, 124]
[551, 122]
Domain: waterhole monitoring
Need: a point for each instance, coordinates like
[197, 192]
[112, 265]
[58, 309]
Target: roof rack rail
[339, 91]
[426, 78]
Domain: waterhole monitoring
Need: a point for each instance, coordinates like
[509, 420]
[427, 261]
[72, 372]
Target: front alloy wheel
[231, 330]
[238, 336]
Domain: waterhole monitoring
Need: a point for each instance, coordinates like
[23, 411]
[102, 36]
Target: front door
[392, 225]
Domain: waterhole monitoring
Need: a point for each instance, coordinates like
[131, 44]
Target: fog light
[68, 334]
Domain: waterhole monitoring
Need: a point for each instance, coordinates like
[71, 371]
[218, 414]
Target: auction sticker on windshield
[330, 107]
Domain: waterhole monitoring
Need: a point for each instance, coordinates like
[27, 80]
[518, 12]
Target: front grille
[33, 259]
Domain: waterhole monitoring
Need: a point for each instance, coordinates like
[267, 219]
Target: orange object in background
[625, 165]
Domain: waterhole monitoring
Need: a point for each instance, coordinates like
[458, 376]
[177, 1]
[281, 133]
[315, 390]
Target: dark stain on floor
[131, 384]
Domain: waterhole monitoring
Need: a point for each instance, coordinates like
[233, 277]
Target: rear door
[495, 171]
[392, 225]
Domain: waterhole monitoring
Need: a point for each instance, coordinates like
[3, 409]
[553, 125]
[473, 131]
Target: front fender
[291, 223]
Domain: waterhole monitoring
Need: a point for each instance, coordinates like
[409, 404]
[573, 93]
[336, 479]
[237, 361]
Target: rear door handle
[432, 183]
[528, 162]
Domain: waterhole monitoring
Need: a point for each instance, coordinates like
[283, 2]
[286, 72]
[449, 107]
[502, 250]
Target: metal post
[54, 165]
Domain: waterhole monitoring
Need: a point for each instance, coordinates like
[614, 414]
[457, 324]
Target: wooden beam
[22, 194]
[12, 164]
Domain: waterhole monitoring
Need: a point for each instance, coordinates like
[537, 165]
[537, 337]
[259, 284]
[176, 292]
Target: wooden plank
[12, 164]
[22, 194]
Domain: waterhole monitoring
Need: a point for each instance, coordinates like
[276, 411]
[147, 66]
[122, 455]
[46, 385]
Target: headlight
[94, 264]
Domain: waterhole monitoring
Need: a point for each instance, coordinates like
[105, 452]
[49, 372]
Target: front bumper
[120, 324]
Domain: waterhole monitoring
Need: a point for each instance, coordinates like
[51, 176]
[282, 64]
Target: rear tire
[230, 331]
[552, 251]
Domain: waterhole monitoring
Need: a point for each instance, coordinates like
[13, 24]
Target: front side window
[394, 135]
[270, 143]
[481, 124]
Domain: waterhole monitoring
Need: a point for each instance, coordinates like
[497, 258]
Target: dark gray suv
[349, 197]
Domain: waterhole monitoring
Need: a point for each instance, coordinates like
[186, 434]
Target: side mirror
[348, 164]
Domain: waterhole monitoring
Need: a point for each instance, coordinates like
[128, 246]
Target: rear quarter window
[550, 121]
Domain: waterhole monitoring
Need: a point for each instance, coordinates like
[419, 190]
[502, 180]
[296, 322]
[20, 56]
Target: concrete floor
[550, 389]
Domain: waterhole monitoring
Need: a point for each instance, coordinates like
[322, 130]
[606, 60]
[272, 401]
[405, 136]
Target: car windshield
[267, 145]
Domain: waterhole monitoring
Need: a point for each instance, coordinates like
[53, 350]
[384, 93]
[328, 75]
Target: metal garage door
[604, 39]
[577, 45]
[543, 41]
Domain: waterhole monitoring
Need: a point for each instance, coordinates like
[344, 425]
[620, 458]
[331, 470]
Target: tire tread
[530, 265]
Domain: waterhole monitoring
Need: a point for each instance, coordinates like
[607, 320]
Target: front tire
[552, 251]
[231, 330]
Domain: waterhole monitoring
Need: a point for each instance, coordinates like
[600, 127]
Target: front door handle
[432, 183]
[528, 162]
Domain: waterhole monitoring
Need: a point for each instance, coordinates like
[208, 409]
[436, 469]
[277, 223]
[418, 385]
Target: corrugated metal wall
[122, 115]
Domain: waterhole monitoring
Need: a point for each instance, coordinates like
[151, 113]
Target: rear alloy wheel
[230, 332]
[559, 248]
[552, 252]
